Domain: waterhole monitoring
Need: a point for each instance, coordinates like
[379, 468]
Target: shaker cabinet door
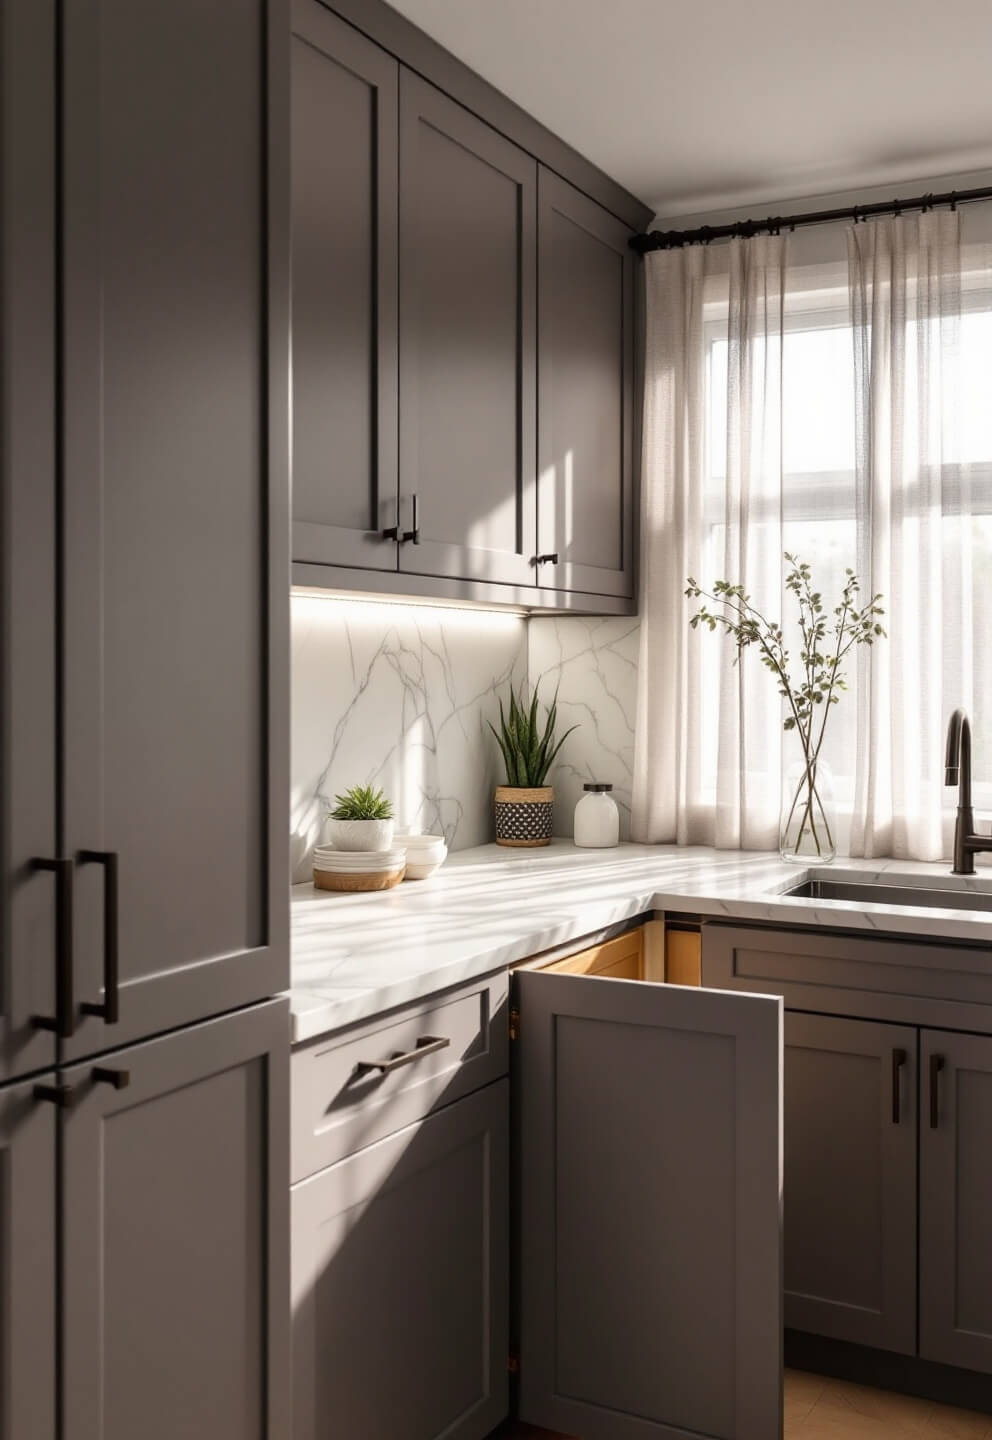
[400, 1274]
[850, 1180]
[344, 277]
[175, 490]
[468, 266]
[956, 1199]
[585, 393]
[175, 1255]
[27, 536]
[650, 1182]
[28, 1342]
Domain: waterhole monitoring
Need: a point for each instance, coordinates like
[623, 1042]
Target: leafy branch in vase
[814, 687]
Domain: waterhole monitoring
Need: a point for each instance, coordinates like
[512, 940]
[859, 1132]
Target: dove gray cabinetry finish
[463, 352]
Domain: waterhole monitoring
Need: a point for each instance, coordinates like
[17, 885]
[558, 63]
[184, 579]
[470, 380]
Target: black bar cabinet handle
[413, 534]
[551, 559]
[898, 1061]
[936, 1065]
[64, 1023]
[108, 1009]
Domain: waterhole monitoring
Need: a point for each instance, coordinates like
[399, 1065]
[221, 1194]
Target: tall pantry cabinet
[143, 786]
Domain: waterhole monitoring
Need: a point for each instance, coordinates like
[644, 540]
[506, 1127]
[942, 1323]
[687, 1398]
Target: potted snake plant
[525, 804]
[362, 819]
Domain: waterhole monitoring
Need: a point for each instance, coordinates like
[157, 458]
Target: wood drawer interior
[356, 1087]
[637, 954]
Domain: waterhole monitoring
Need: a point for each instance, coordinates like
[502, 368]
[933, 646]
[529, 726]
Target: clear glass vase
[808, 825]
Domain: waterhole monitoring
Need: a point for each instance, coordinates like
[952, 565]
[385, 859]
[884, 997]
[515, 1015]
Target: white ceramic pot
[361, 834]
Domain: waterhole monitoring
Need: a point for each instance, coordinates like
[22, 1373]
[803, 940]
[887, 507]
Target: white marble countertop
[356, 956]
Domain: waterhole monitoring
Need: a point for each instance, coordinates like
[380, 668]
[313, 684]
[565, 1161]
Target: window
[824, 520]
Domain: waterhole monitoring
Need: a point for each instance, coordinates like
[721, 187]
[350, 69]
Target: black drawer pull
[898, 1061]
[429, 1045]
[64, 1096]
[936, 1066]
[551, 559]
[111, 1075]
[64, 1023]
[108, 1009]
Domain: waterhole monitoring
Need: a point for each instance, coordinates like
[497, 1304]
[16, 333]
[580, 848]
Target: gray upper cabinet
[650, 1222]
[956, 1199]
[400, 1273]
[585, 394]
[27, 1264]
[344, 278]
[463, 335]
[175, 508]
[27, 538]
[467, 322]
[175, 1256]
[850, 1180]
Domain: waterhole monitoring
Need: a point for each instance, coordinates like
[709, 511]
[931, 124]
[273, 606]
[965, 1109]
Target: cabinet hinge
[514, 1023]
[513, 1363]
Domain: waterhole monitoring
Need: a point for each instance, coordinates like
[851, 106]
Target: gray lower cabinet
[344, 282]
[27, 1264]
[468, 277]
[650, 1209]
[956, 1199]
[850, 1180]
[174, 487]
[399, 1289]
[585, 394]
[175, 1283]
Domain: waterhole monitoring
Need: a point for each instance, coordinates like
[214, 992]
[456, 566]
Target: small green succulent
[362, 802]
[527, 750]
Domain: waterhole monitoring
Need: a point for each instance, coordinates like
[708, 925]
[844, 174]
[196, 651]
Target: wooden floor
[820, 1409]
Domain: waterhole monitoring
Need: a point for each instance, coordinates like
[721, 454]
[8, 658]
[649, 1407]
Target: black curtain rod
[668, 239]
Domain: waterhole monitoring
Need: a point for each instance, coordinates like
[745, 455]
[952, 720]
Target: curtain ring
[954, 201]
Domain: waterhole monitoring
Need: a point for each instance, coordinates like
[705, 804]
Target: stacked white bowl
[424, 854]
[357, 862]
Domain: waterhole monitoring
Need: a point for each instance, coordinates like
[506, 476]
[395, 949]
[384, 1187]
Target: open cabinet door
[650, 1209]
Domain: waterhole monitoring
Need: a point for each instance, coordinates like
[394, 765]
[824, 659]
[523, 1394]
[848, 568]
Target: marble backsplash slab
[593, 662]
[398, 695]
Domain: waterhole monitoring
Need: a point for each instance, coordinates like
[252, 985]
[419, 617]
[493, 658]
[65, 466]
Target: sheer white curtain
[692, 704]
[834, 404]
[915, 528]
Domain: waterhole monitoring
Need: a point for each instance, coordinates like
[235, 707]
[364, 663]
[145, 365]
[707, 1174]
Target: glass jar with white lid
[597, 819]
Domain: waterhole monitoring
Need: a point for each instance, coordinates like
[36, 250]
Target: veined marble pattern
[398, 696]
[594, 664]
[357, 956]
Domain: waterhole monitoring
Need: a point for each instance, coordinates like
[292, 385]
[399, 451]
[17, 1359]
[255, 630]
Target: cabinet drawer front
[906, 982]
[342, 1101]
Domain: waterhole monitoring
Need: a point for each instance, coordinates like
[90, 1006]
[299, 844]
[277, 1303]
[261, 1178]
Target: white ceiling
[707, 104]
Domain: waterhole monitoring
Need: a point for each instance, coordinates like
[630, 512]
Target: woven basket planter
[524, 817]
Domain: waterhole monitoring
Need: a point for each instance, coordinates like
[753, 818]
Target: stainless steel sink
[869, 893]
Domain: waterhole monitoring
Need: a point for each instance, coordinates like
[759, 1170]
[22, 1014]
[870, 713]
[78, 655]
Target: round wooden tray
[379, 880]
